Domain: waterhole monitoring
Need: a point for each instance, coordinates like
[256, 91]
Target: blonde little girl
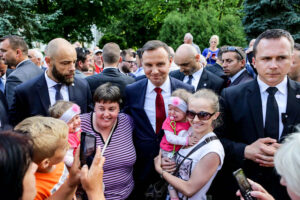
[69, 113]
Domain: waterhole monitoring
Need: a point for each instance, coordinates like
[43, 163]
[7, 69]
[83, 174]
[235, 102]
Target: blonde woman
[211, 53]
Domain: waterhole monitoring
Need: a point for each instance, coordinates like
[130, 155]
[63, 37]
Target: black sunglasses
[202, 115]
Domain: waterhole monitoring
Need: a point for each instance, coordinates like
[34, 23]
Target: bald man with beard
[192, 72]
[57, 83]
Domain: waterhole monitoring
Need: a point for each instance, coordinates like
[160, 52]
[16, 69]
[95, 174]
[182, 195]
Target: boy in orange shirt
[50, 144]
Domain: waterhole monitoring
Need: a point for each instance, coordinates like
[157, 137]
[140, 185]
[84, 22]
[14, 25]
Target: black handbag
[159, 189]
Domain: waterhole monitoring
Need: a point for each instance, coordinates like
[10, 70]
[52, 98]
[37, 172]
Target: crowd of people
[188, 118]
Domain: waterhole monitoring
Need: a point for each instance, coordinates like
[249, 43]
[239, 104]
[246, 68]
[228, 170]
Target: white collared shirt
[236, 75]
[280, 96]
[52, 91]
[195, 79]
[3, 79]
[150, 98]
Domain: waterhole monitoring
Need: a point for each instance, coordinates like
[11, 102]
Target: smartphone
[244, 184]
[87, 148]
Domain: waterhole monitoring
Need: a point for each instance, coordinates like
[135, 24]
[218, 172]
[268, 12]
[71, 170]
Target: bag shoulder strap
[207, 140]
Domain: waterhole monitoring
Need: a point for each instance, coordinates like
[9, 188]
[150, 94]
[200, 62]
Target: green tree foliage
[19, 17]
[202, 23]
[77, 17]
[266, 14]
[109, 37]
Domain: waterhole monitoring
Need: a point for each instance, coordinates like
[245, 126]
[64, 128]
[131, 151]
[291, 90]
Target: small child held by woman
[176, 129]
[69, 113]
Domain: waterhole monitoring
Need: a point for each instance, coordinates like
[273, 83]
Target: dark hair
[81, 55]
[139, 53]
[126, 52]
[155, 44]
[107, 93]
[111, 53]
[297, 46]
[16, 42]
[273, 34]
[239, 52]
[15, 157]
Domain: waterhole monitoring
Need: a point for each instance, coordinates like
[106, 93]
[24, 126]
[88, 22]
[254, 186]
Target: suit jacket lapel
[255, 105]
[293, 101]
[203, 82]
[72, 92]
[43, 92]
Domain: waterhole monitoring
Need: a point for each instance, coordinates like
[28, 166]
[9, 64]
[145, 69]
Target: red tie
[159, 109]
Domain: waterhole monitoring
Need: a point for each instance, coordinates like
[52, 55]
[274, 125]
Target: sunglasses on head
[202, 115]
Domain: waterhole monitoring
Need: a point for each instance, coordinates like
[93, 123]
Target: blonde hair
[46, 133]
[213, 98]
[214, 37]
[287, 161]
[182, 94]
[59, 108]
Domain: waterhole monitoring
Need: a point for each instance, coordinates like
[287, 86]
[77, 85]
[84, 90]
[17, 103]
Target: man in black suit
[14, 51]
[192, 72]
[258, 115]
[217, 68]
[4, 73]
[57, 83]
[142, 98]
[4, 120]
[110, 58]
[233, 63]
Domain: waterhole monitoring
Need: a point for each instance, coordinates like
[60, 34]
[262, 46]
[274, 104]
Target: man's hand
[262, 151]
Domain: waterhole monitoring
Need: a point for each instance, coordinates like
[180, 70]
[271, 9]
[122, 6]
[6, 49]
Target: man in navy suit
[4, 120]
[192, 72]
[233, 63]
[258, 115]
[141, 98]
[14, 51]
[57, 83]
[111, 59]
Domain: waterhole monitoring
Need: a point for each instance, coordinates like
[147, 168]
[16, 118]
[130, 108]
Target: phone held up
[244, 185]
[87, 148]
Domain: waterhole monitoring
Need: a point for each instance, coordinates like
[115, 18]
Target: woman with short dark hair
[113, 131]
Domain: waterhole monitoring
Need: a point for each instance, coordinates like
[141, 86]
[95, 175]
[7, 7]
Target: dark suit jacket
[24, 72]
[4, 120]
[216, 69]
[145, 139]
[243, 125]
[208, 80]
[242, 78]
[109, 75]
[32, 98]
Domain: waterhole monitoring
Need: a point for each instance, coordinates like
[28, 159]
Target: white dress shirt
[195, 79]
[280, 96]
[3, 79]
[150, 98]
[52, 91]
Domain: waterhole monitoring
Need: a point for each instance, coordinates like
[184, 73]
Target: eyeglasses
[230, 48]
[130, 62]
[202, 115]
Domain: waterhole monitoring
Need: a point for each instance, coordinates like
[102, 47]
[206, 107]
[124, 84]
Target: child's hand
[193, 140]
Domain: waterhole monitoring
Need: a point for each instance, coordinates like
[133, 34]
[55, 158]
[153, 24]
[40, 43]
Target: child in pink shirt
[175, 127]
[69, 113]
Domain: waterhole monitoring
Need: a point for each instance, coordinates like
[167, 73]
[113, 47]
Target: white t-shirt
[189, 164]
